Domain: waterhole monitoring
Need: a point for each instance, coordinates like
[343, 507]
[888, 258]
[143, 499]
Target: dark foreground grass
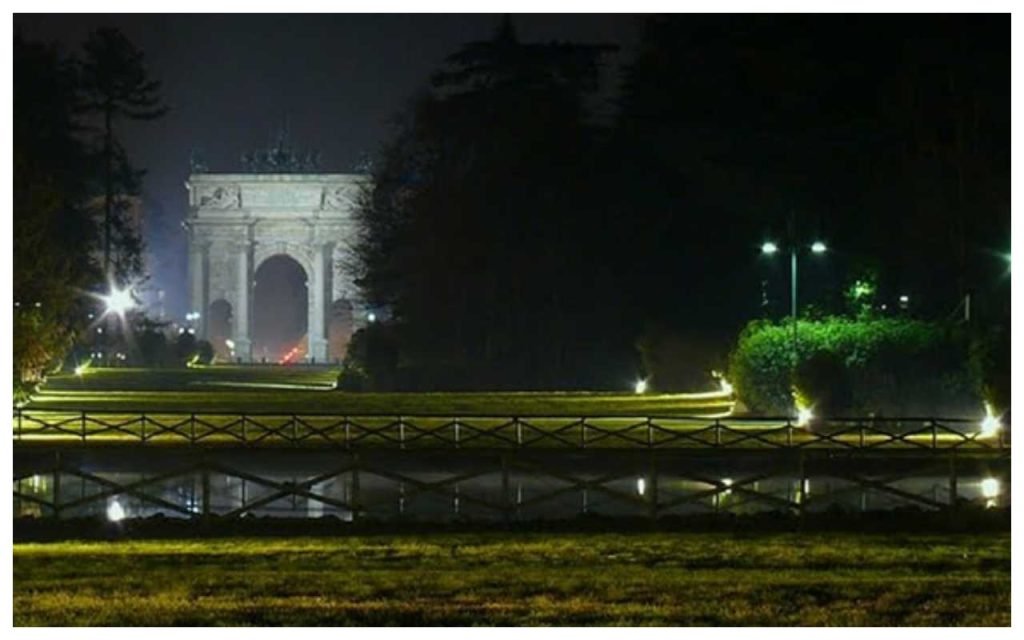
[520, 579]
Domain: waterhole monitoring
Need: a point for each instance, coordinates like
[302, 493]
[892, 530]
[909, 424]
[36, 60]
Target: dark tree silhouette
[115, 85]
[483, 233]
[54, 233]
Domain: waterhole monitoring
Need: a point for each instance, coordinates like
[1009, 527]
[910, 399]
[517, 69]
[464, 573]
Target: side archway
[219, 328]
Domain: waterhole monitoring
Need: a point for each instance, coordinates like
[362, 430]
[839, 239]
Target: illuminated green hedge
[845, 366]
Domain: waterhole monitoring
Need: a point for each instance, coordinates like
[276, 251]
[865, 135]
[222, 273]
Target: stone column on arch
[317, 325]
[242, 338]
[198, 256]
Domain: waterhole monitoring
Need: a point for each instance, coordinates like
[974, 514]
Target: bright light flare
[119, 301]
[82, 368]
[229, 343]
[768, 248]
[115, 512]
[990, 424]
[990, 488]
[640, 386]
[804, 415]
[819, 247]
[641, 486]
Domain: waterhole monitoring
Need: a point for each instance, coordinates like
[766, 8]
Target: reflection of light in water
[641, 486]
[990, 491]
[115, 512]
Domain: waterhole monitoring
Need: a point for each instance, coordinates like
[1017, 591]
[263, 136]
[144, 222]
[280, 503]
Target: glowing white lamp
[115, 512]
[990, 424]
[119, 301]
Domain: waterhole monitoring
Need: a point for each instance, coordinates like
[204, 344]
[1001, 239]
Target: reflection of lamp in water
[727, 482]
[115, 512]
[990, 490]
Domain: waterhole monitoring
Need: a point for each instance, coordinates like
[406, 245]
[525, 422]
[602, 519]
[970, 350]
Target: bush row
[894, 366]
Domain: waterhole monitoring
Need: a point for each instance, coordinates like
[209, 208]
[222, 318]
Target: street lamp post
[770, 248]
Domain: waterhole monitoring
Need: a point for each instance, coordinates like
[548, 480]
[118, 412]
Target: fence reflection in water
[494, 485]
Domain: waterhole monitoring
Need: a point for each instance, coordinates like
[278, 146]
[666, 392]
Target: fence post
[789, 433]
[143, 428]
[952, 480]
[295, 429]
[456, 433]
[650, 433]
[56, 485]
[401, 433]
[935, 435]
[83, 427]
[801, 492]
[192, 432]
[348, 439]
[583, 433]
[718, 433]
[519, 432]
[245, 430]
[355, 502]
[19, 423]
[653, 499]
[205, 488]
[506, 499]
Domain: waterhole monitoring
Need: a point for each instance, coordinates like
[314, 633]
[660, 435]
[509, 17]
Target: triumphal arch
[238, 221]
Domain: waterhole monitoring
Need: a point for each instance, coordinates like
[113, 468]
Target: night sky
[231, 81]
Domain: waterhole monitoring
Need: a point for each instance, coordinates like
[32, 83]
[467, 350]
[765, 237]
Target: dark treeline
[72, 189]
[519, 243]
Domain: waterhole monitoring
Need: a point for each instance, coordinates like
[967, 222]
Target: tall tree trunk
[108, 179]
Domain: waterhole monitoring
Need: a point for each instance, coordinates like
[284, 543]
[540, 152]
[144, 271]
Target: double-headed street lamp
[770, 248]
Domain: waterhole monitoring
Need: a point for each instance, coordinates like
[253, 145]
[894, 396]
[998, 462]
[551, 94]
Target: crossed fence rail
[495, 431]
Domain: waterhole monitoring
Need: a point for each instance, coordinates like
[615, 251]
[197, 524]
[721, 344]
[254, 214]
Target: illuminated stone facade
[237, 221]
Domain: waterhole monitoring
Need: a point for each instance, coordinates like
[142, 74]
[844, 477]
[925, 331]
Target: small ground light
[769, 248]
[640, 386]
[819, 247]
[372, 317]
[990, 424]
[115, 512]
[641, 486]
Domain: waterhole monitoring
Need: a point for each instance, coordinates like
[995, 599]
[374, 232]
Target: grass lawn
[520, 579]
[309, 390]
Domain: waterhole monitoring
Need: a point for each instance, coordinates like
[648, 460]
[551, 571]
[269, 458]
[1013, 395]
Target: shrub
[890, 365]
[371, 361]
